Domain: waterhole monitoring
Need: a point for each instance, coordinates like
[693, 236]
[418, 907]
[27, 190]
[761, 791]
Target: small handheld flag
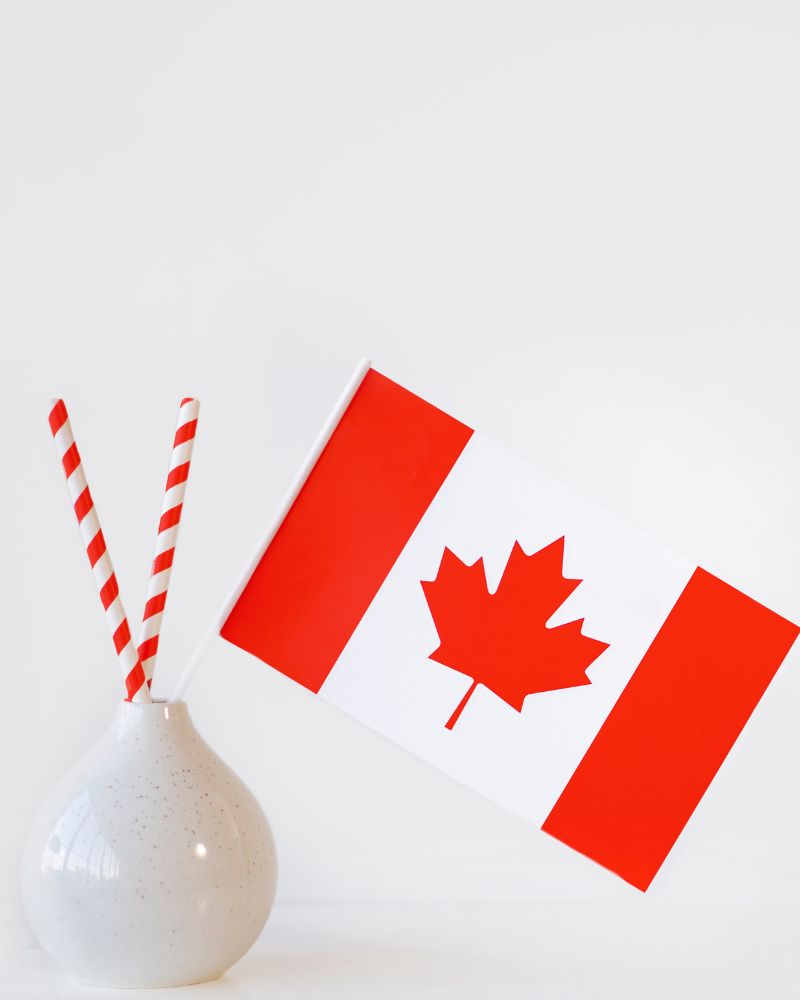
[507, 630]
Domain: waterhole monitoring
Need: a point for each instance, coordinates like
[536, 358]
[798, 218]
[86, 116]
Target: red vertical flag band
[671, 729]
[376, 477]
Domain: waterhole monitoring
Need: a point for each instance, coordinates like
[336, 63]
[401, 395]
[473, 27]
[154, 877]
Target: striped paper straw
[103, 571]
[167, 537]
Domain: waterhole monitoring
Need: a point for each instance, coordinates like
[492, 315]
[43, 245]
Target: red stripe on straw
[155, 605]
[109, 591]
[83, 504]
[58, 417]
[136, 682]
[162, 561]
[71, 460]
[185, 433]
[178, 475]
[170, 518]
[148, 648]
[96, 548]
[122, 636]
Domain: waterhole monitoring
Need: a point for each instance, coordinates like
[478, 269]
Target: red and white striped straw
[103, 571]
[167, 537]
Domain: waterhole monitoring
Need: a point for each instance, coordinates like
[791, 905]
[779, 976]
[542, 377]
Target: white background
[572, 225]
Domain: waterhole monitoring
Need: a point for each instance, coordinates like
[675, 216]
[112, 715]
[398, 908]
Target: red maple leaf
[501, 640]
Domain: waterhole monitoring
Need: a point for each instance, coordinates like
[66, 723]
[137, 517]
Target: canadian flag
[507, 630]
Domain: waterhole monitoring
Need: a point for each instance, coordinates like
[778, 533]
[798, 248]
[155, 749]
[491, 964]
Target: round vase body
[150, 863]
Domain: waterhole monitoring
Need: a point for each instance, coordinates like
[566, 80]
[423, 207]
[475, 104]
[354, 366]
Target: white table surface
[558, 951]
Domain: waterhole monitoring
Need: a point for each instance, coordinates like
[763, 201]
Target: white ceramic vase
[150, 864]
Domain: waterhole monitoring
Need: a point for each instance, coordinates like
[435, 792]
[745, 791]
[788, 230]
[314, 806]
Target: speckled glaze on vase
[150, 864]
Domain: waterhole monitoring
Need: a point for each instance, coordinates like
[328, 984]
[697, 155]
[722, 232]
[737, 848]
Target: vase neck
[136, 720]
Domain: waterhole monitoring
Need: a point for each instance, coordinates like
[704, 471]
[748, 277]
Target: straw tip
[56, 415]
[189, 399]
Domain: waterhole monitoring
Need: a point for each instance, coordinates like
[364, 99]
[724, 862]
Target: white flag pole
[291, 495]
